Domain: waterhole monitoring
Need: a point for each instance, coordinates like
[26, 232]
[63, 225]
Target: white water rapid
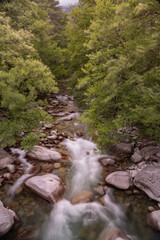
[26, 167]
[84, 220]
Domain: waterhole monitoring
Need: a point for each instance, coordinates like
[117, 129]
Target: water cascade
[68, 221]
[26, 168]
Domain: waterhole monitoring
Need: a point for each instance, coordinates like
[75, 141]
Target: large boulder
[5, 159]
[150, 152]
[119, 179]
[153, 219]
[113, 233]
[6, 219]
[148, 180]
[44, 154]
[49, 186]
[82, 197]
[121, 148]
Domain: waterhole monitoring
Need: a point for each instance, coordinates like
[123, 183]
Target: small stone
[151, 209]
[48, 168]
[107, 161]
[35, 169]
[128, 192]
[5, 159]
[8, 176]
[48, 126]
[54, 132]
[136, 191]
[79, 133]
[53, 137]
[57, 165]
[136, 157]
[11, 168]
[99, 190]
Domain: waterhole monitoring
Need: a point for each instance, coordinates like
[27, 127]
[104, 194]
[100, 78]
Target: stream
[41, 220]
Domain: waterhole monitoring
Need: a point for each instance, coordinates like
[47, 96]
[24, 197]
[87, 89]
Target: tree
[23, 77]
[120, 76]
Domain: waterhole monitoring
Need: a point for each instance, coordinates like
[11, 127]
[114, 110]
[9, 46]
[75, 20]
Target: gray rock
[107, 161]
[136, 157]
[6, 220]
[99, 190]
[48, 125]
[148, 152]
[153, 219]
[133, 173]
[11, 168]
[53, 137]
[5, 159]
[148, 180]
[119, 179]
[49, 186]
[44, 154]
[122, 148]
[113, 233]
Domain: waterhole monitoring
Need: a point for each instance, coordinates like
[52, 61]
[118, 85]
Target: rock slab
[6, 220]
[148, 180]
[49, 186]
[122, 148]
[44, 154]
[119, 179]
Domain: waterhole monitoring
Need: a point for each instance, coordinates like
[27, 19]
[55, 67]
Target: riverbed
[80, 171]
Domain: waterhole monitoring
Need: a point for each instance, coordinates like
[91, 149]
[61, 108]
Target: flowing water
[64, 220]
[70, 222]
[26, 167]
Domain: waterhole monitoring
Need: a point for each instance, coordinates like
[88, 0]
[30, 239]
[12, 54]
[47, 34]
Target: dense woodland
[108, 51]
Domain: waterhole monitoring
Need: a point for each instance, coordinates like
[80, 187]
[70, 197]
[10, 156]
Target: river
[84, 221]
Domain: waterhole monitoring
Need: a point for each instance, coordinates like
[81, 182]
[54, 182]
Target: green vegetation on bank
[30, 55]
[118, 74]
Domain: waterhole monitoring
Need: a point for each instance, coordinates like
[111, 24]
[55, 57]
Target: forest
[80, 120]
[107, 51]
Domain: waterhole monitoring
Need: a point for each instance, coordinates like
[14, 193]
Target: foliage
[120, 76]
[23, 75]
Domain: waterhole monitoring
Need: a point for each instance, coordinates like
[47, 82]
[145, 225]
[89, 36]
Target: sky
[67, 2]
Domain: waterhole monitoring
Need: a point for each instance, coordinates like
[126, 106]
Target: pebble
[99, 190]
[151, 209]
[48, 168]
[8, 176]
[57, 165]
[11, 168]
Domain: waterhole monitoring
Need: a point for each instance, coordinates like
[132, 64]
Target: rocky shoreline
[140, 173]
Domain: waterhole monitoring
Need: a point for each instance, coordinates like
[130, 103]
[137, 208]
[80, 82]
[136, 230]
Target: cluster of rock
[143, 173]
